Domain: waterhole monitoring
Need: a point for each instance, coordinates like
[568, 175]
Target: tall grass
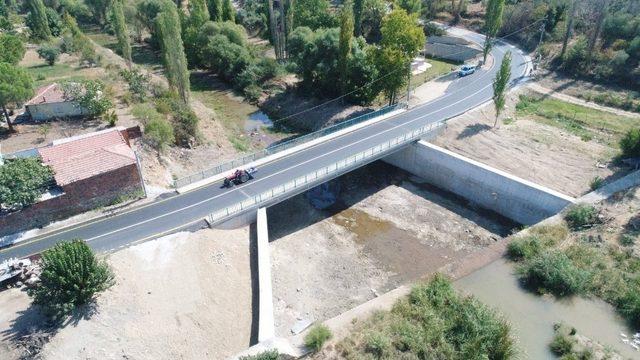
[433, 322]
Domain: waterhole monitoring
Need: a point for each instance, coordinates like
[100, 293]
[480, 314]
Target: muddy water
[532, 316]
[398, 250]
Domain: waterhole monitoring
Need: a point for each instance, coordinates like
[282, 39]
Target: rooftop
[85, 156]
[48, 94]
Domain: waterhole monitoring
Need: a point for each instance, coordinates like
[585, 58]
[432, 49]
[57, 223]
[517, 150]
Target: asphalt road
[184, 210]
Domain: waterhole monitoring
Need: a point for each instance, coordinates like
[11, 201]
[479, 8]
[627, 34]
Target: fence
[312, 178]
[279, 147]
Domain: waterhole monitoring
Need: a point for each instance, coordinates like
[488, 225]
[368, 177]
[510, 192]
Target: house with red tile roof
[50, 103]
[90, 170]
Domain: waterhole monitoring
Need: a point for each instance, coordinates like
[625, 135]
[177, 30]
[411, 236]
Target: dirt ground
[536, 152]
[184, 296]
[388, 229]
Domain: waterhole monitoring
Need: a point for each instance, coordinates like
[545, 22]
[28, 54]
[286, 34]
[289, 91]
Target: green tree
[500, 84]
[191, 29]
[16, 86]
[411, 6]
[76, 42]
[344, 47]
[120, 27]
[98, 9]
[89, 94]
[492, 23]
[216, 10]
[71, 276]
[38, 20]
[175, 61]
[630, 143]
[22, 181]
[49, 52]
[228, 12]
[313, 13]
[159, 133]
[11, 49]
[402, 39]
[358, 6]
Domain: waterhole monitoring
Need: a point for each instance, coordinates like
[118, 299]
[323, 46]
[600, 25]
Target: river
[533, 316]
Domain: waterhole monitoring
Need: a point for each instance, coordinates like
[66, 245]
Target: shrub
[22, 181]
[378, 344]
[580, 216]
[138, 83]
[524, 248]
[50, 53]
[159, 133]
[596, 183]
[71, 276]
[266, 355]
[630, 143]
[317, 336]
[90, 94]
[553, 271]
[629, 305]
[111, 118]
[561, 344]
[627, 240]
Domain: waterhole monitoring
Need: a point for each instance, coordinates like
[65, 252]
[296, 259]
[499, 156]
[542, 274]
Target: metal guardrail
[310, 178]
[230, 165]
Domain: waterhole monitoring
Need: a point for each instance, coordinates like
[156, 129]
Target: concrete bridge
[285, 174]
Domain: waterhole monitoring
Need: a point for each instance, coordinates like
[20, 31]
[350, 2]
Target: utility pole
[543, 26]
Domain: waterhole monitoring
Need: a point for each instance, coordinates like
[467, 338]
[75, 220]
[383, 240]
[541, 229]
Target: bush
[581, 216]
[266, 355]
[561, 344]
[596, 183]
[629, 304]
[184, 120]
[378, 344]
[90, 94]
[553, 271]
[317, 336]
[138, 83]
[627, 240]
[50, 53]
[630, 144]
[71, 276]
[524, 248]
[22, 181]
[159, 133]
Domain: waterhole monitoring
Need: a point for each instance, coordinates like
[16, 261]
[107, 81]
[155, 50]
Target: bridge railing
[235, 163]
[313, 178]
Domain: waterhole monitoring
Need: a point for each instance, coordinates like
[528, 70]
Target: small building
[50, 103]
[451, 48]
[90, 171]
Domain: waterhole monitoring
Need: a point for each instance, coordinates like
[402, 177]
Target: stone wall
[98, 191]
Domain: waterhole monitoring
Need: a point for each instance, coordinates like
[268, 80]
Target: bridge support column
[266, 321]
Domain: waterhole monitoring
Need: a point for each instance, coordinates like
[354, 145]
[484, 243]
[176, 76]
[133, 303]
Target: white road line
[287, 169]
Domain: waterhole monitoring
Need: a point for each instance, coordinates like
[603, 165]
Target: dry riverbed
[388, 229]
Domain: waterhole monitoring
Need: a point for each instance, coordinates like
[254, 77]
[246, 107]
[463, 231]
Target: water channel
[533, 316]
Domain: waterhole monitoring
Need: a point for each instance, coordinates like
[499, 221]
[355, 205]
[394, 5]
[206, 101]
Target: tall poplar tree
[40, 24]
[215, 10]
[175, 61]
[492, 24]
[500, 84]
[358, 6]
[120, 27]
[344, 47]
[228, 12]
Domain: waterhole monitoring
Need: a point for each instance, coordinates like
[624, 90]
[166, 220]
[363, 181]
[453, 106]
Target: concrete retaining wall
[517, 199]
[266, 320]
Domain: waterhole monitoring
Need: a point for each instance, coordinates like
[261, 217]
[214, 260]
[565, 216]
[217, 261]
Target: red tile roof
[85, 156]
[52, 93]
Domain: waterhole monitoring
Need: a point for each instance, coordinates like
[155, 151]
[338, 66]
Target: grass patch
[587, 123]
[317, 336]
[265, 355]
[437, 69]
[553, 271]
[433, 322]
[582, 216]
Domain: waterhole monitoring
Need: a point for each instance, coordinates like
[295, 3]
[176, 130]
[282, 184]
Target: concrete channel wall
[517, 199]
